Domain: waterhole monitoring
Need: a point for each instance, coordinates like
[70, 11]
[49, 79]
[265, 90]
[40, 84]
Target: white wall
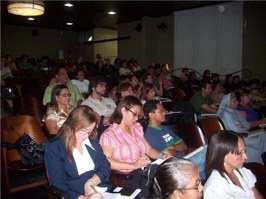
[209, 38]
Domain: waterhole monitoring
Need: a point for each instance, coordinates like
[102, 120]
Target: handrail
[191, 69]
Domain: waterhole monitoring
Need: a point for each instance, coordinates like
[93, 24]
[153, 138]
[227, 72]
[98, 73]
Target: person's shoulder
[54, 143]
[87, 101]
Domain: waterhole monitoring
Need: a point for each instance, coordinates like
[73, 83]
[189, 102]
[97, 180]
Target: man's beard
[100, 94]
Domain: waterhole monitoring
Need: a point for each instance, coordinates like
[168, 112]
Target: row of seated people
[76, 143]
[128, 112]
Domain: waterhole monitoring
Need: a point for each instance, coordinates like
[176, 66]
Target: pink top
[127, 148]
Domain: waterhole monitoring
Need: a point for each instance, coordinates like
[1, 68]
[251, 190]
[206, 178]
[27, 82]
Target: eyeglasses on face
[84, 131]
[241, 153]
[133, 113]
[196, 187]
[65, 95]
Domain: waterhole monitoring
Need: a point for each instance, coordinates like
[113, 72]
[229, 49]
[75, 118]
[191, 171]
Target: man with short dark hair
[202, 101]
[164, 139]
[102, 105]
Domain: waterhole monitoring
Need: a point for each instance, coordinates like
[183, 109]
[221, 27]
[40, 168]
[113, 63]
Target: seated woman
[74, 159]
[177, 178]
[59, 108]
[246, 109]
[233, 121]
[124, 144]
[226, 155]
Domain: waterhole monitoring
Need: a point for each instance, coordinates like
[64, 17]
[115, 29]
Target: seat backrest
[210, 125]
[13, 127]
[191, 134]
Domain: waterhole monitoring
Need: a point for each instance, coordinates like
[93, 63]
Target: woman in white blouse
[227, 178]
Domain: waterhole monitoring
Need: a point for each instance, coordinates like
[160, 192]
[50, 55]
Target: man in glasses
[61, 77]
[102, 105]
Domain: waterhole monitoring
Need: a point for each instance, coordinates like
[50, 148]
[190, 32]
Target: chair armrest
[119, 178]
[122, 175]
[55, 193]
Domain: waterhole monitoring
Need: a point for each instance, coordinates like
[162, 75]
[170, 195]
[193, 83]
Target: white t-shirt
[104, 108]
[218, 187]
[83, 86]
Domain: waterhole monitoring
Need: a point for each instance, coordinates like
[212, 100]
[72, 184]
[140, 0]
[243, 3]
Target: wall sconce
[26, 7]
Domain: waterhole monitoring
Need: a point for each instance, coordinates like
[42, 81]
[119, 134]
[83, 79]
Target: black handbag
[31, 153]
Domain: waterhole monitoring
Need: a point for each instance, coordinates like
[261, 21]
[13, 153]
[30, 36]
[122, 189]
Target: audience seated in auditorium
[206, 75]
[202, 101]
[124, 69]
[44, 64]
[184, 75]
[148, 78]
[103, 106]
[136, 84]
[228, 84]
[233, 121]
[164, 139]
[246, 108]
[123, 89]
[5, 69]
[177, 178]
[11, 63]
[74, 159]
[24, 63]
[227, 178]
[58, 109]
[62, 78]
[217, 91]
[81, 82]
[124, 143]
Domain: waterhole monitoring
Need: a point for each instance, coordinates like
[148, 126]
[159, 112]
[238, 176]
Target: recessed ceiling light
[90, 39]
[31, 19]
[68, 4]
[111, 12]
[69, 23]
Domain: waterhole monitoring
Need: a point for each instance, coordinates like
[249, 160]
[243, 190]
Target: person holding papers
[124, 144]
[164, 139]
[74, 159]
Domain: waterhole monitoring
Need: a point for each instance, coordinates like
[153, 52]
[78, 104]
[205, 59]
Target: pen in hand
[93, 188]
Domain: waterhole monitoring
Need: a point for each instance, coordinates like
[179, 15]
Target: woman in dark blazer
[74, 159]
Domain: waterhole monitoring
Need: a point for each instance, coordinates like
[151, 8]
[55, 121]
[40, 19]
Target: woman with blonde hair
[74, 159]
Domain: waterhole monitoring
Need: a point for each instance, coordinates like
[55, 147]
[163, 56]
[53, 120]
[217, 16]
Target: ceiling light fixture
[31, 19]
[111, 12]
[69, 23]
[68, 4]
[25, 7]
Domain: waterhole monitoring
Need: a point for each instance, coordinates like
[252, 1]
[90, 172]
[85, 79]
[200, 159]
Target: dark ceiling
[87, 15]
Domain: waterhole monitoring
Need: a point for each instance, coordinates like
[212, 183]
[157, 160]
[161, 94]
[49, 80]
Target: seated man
[164, 139]
[103, 106]
[62, 78]
[202, 101]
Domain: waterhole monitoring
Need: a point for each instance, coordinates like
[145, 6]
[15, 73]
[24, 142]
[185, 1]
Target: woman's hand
[143, 161]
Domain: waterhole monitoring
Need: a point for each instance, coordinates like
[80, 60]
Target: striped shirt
[127, 148]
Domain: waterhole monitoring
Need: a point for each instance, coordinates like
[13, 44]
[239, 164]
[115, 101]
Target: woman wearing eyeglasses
[123, 142]
[59, 108]
[177, 178]
[74, 159]
[227, 178]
